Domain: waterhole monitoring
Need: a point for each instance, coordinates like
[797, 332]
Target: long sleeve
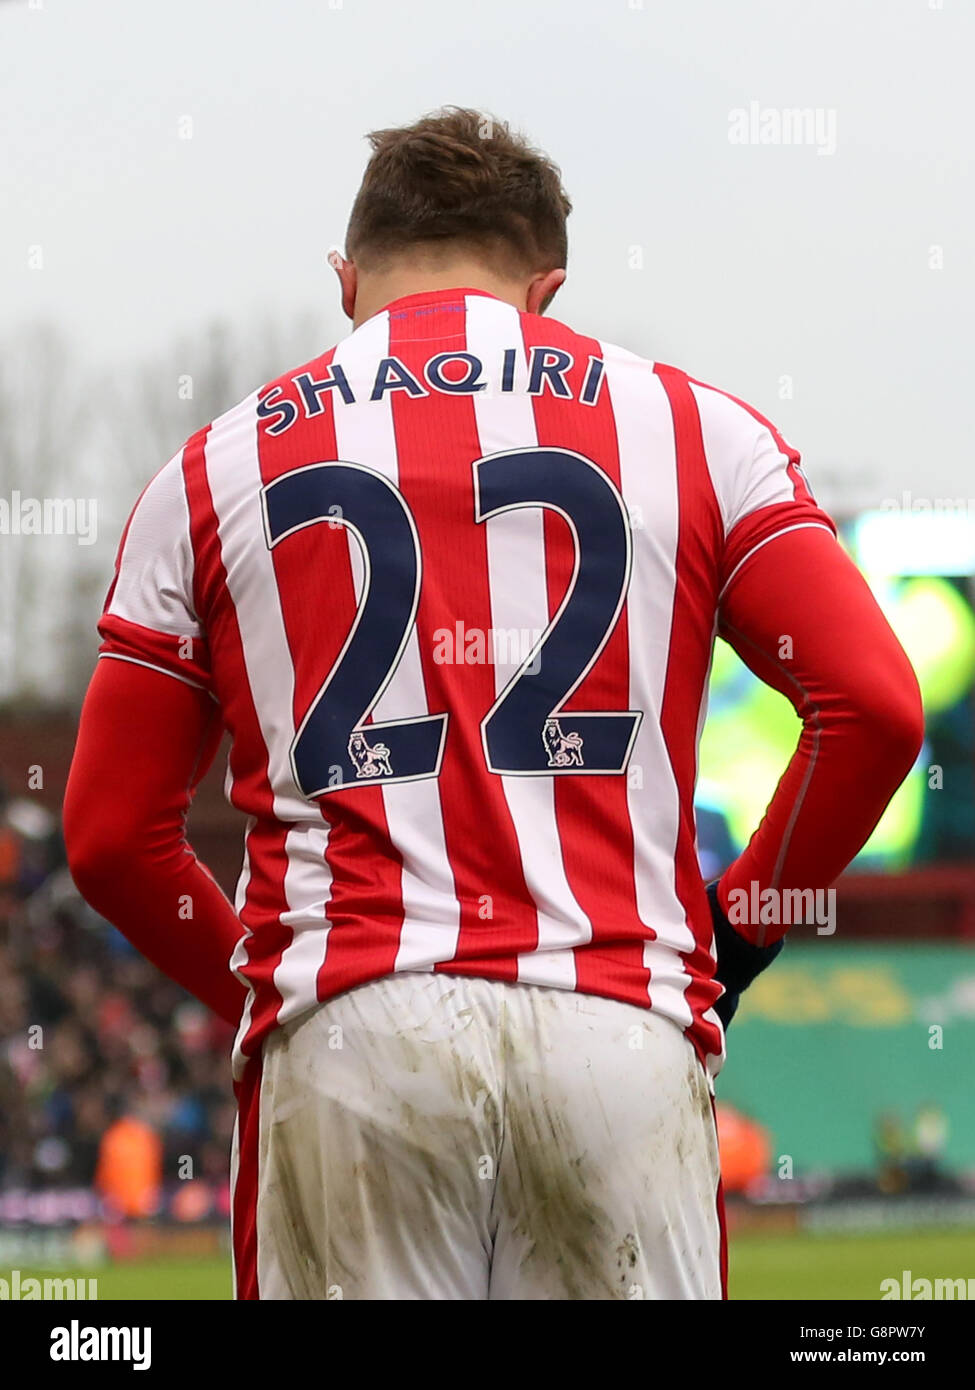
[144, 742]
[801, 616]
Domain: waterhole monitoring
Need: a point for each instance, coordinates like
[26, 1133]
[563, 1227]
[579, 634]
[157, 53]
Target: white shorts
[432, 1136]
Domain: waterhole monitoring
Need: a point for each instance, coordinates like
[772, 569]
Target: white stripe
[154, 586]
[240, 895]
[365, 434]
[239, 1059]
[234, 476]
[238, 958]
[519, 603]
[234, 1172]
[307, 888]
[648, 476]
[748, 470]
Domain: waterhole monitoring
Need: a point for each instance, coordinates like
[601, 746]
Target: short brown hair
[463, 177]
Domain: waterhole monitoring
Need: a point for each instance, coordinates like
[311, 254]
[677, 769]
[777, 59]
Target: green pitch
[779, 1267]
[848, 1266]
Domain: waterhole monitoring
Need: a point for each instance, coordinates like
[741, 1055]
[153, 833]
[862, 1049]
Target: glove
[738, 960]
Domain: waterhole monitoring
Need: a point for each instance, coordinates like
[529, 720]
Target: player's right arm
[149, 730]
[144, 743]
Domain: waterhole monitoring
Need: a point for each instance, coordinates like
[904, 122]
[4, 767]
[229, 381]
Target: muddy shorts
[430, 1136]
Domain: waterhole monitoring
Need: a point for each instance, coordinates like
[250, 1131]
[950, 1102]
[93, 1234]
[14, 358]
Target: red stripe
[592, 812]
[723, 1244]
[244, 1200]
[164, 649]
[251, 787]
[722, 1219]
[316, 590]
[699, 545]
[437, 442]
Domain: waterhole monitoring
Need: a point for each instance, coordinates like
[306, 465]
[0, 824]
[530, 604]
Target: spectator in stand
[93, 1037]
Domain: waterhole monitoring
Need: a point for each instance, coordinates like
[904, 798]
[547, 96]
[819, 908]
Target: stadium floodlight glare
[921, 541]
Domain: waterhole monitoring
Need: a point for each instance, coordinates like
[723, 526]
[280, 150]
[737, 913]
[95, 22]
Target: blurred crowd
[110, 1076]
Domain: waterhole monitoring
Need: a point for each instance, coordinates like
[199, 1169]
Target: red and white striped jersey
[454, 585]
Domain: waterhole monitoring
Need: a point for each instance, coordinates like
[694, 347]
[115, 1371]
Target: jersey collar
[411, 301]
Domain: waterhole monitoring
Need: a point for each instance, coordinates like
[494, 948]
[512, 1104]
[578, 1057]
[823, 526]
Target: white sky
[759, 261]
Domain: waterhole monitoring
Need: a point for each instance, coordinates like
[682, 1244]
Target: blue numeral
[527, 732]
[335, 748]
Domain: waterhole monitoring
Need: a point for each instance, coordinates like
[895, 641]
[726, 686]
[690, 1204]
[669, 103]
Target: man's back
[454, 586]
[453, 589]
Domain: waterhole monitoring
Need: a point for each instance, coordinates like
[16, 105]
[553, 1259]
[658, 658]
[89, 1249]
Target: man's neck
[375, 291]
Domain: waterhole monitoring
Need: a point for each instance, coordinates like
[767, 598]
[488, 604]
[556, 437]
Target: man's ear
[348, 280]
[542, 290]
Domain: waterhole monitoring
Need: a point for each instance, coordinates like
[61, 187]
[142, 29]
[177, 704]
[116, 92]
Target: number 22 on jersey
[526, 732]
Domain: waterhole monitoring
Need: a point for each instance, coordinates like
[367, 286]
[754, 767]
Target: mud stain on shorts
[299, 1248]
[627, 1259]
[551, 1196]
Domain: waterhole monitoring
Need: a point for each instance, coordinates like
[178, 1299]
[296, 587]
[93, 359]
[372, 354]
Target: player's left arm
[144, 742]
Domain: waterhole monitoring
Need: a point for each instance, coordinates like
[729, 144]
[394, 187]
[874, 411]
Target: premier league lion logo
[369, 761]
[564, 750]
